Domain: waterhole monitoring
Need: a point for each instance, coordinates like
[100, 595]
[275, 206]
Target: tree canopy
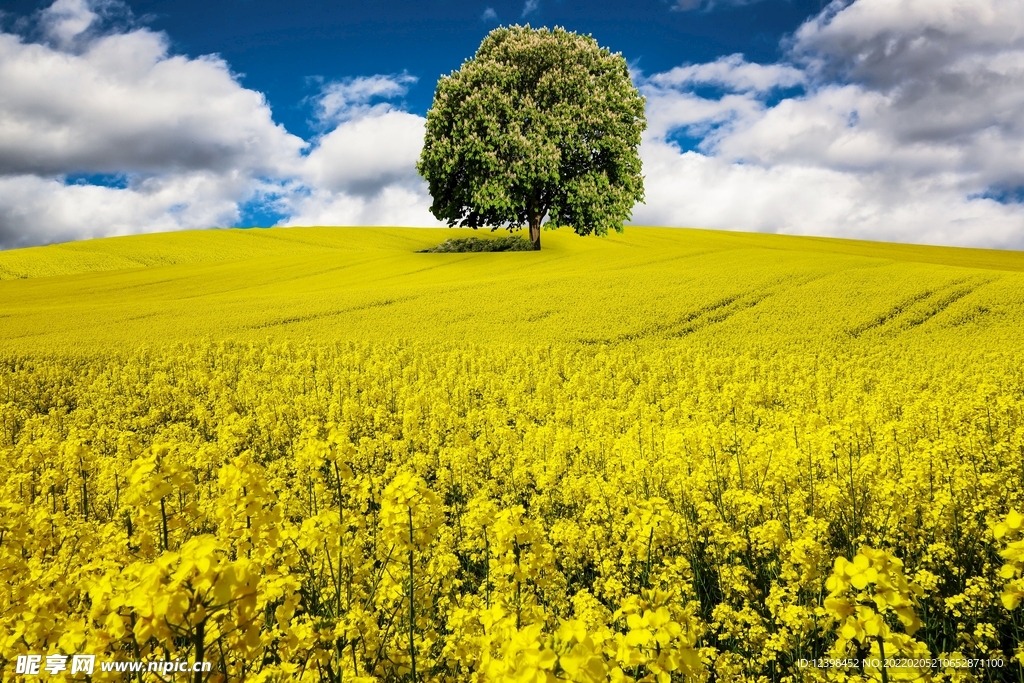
[538, 123]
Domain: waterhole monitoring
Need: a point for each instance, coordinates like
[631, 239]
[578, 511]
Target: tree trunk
[535, 230]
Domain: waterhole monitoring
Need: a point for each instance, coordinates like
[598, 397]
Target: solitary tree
[538, 123]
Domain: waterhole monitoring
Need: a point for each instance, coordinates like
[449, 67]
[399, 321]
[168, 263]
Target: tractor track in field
[328, 314]
[714, 313]
[711, 314]
[943, 297]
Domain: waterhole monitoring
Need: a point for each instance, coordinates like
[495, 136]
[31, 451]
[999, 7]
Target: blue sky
[284, 50]
[896, 120]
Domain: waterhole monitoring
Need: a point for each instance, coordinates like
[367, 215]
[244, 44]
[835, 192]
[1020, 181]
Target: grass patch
[467, 244]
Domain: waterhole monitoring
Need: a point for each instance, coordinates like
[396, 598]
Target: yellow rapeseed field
[668, 455]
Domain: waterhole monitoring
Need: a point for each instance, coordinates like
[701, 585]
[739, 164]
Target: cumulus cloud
[672, 105]
[391, 205]
[732, 72]
[351, 98]
[693, 189]
[84, 98]
[87, 99]
[125, 105]
[365, 154]
[38, 210]
[65, 20]
[363, 170]
[887, 44]
[907, 125]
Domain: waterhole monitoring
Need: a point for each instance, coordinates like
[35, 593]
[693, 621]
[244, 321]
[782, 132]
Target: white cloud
[698, 117]
[489, 15]
[697, 190]
[36, 210]
[734, 73]
[65, 20]
[912, 114]
[191, 142]
[364, 154]
[349, 99]
[363, 171]
[124, 104]
[391, 205]
[888, 43]
[530, 7]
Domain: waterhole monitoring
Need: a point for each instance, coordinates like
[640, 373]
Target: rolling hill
[370, 284]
